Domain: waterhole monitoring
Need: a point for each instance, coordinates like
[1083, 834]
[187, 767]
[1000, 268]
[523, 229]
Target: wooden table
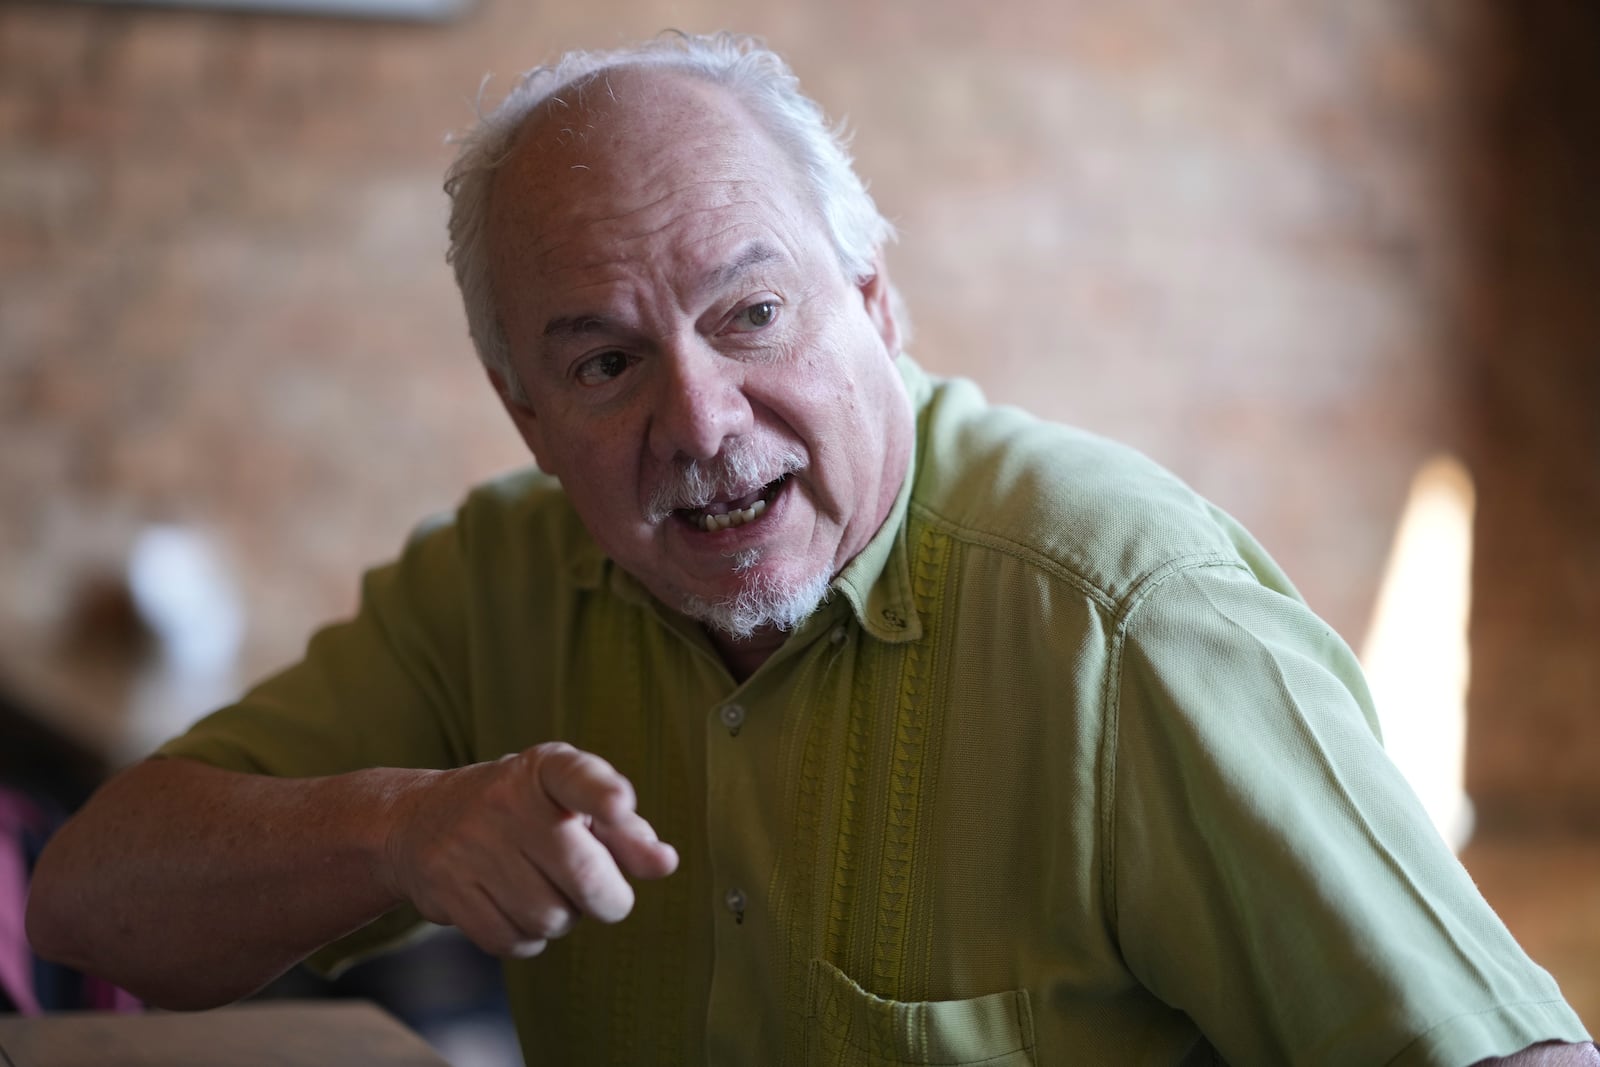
[265, 1034]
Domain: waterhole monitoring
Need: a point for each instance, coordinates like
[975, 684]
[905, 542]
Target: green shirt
[1063, 772]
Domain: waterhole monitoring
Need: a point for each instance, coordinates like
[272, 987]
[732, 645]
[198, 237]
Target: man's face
[718, 399]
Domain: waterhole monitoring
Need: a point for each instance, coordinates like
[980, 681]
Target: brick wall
[1247, 237]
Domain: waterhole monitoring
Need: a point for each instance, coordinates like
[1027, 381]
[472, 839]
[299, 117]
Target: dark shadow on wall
[1534, 704]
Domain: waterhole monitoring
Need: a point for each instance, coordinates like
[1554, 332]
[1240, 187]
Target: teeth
[712, 523]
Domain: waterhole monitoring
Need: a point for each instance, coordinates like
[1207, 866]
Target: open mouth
[726, 514]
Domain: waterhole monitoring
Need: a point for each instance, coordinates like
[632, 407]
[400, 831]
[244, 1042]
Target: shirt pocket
[849, 1027]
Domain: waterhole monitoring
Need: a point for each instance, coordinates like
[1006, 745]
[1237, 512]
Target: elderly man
[983, 741]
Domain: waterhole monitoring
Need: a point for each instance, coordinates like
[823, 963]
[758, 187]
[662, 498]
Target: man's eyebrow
[593, 322]
[575, 325]
[754, 255]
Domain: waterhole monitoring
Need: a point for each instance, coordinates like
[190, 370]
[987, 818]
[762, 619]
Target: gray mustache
[741, 467]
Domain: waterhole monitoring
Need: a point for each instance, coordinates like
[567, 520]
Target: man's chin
[761, 603]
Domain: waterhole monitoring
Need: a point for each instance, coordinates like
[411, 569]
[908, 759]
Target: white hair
[756, 76]
[762, 602]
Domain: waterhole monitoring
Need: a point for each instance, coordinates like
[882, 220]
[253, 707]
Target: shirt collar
[587, 564]
[877, 583]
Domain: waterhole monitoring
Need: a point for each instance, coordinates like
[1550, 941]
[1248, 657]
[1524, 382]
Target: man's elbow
[54, 932]
[61, 926]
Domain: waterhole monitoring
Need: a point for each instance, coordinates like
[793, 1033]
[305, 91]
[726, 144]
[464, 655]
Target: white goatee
[760, 603]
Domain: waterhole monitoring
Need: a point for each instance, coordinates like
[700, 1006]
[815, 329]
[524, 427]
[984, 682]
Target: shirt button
[838, 635]
[732, 716]
[734, 899]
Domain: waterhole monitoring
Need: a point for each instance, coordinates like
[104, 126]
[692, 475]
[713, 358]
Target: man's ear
[522, 415]
[878, 295]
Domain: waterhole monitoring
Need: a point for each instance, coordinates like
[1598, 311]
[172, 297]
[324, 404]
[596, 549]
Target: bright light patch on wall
[1416, 650]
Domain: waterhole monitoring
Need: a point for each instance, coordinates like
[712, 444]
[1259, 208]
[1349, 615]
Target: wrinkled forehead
[622, 139]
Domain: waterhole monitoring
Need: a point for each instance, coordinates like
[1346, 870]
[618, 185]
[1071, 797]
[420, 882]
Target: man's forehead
[632, 152]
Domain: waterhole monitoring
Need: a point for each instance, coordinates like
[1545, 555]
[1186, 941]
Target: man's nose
[701, 403]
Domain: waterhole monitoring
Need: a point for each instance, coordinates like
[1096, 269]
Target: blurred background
[1334, 262]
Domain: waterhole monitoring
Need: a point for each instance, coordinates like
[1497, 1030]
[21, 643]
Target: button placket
[739, 735]
[732, 716]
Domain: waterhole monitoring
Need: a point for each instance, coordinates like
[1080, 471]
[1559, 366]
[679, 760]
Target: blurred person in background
[962, 737]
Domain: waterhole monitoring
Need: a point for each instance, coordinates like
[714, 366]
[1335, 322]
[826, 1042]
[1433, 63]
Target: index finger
[583, 783]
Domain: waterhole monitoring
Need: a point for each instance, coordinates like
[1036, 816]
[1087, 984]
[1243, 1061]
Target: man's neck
[743, 656]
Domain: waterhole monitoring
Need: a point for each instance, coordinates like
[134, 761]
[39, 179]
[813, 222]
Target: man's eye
[755, 317]
[597, 370]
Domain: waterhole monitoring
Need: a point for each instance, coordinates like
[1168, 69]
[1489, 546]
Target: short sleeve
[1274, 876]
[384, 689]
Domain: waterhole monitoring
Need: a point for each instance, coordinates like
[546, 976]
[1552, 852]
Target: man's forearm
[192, 887]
